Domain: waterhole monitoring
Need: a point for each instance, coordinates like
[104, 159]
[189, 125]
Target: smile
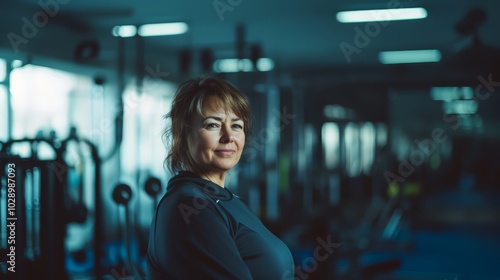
[225, 152]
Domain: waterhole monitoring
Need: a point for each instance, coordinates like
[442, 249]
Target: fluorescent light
[162, 29]
[460, 107]
[226, 65]
[265, 64]
[414, 56]
[381, 15]
[451, 93]
[245, 65]
[16, 63]
[231, 65]
[124, 31]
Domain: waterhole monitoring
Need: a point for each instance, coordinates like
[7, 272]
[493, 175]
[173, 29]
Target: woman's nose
[227, 136]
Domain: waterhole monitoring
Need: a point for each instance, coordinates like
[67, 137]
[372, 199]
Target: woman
[201, 230]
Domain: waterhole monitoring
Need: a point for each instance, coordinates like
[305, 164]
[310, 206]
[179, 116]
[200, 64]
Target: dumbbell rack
[40, 211]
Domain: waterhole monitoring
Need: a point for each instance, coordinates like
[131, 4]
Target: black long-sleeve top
[203, 231]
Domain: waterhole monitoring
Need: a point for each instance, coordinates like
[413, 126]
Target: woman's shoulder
[187, 184]
[187, 192]
[191, 202]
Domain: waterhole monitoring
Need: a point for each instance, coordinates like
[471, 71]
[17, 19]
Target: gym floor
[457, 238]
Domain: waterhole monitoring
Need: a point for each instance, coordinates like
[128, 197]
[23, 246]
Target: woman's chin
[226, 166]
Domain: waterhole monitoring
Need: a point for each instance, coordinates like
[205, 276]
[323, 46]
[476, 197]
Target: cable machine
[41, 209]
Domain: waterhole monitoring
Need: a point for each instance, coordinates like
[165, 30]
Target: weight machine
[44, 208]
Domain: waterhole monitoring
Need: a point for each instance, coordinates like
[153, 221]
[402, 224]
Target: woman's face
[217, 138]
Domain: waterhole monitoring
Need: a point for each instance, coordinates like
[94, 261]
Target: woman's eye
[237, 126]
[212, 125]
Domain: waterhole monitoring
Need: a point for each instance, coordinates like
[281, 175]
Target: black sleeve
[191, 239]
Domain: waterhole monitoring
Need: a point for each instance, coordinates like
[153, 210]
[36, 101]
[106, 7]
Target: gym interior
[376, 131]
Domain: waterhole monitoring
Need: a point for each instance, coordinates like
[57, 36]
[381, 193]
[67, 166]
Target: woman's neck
[218, 179]
[214, 177]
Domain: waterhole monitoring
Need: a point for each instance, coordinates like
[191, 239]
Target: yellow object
[393, 190]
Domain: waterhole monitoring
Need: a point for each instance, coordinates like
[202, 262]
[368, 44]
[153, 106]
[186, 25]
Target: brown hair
[187, 103]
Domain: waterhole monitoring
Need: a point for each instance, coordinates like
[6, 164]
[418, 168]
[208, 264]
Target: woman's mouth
[225, 152]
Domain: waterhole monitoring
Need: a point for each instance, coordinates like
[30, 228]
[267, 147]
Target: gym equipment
[44, 208]
[122, 194]
[37, 212]
[152, 186]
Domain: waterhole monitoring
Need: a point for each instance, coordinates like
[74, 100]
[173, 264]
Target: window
[330, 139]
[3, 69]
[367, 137]
[352, 150]
[4, 118]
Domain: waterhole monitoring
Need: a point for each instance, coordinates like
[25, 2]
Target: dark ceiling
[301, 36]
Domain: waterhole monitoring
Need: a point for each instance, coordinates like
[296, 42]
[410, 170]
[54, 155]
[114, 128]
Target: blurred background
[376, 134]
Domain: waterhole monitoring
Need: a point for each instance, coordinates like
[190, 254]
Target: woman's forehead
[213, 105]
